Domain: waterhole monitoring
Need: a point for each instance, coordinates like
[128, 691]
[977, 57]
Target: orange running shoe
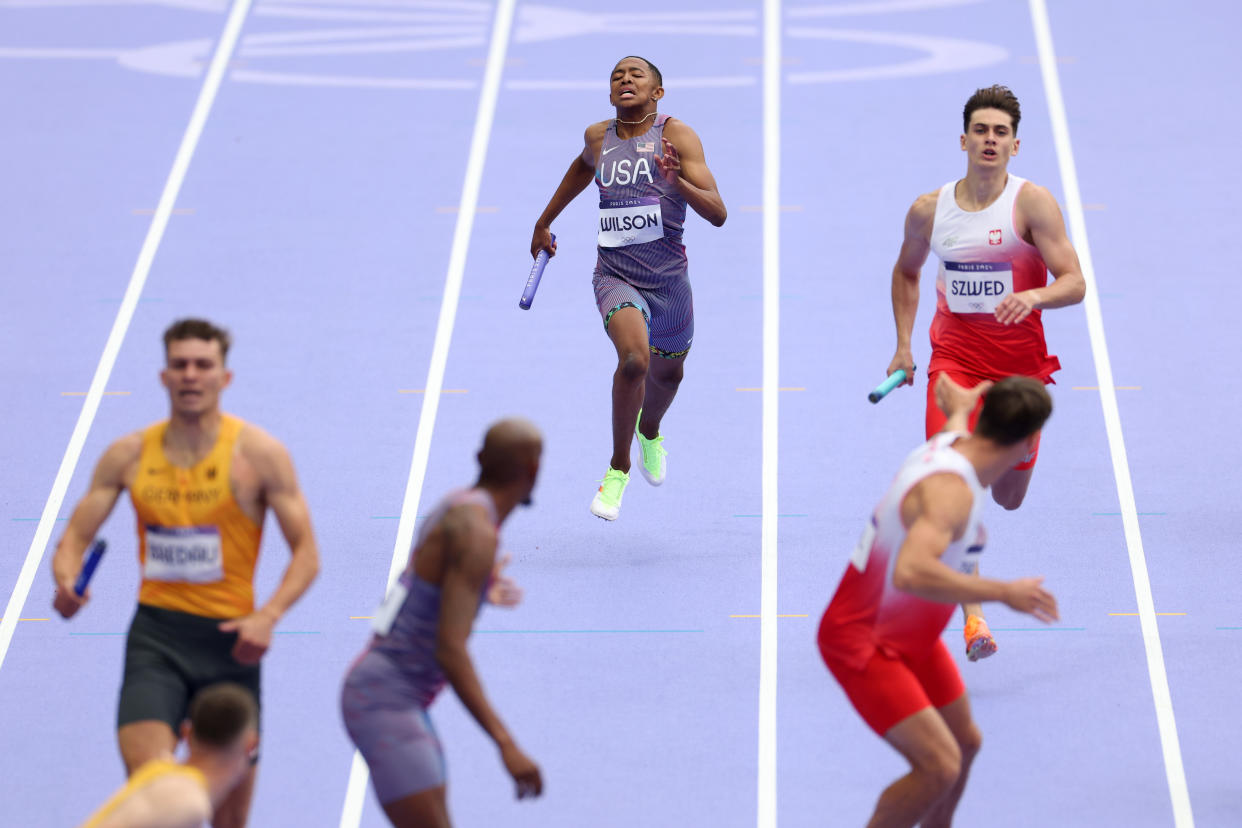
[979, 640]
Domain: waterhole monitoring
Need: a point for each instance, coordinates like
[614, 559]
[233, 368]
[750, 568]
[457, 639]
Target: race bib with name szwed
[976, 287]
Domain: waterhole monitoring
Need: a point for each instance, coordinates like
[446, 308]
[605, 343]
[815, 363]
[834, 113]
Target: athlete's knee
[970, 742]
[668, 373]
[1008, 499]
[941, 767]
[140, 742]
[633, 364]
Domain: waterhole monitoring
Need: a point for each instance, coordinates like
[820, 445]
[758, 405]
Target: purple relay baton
[88, 568]
[532, 282]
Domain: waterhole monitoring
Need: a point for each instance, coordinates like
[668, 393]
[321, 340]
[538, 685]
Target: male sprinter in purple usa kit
[648, 167]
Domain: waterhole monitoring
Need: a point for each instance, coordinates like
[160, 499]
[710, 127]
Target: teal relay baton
[881, 391]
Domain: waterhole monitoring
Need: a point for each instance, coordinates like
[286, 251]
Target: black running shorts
[170, 656]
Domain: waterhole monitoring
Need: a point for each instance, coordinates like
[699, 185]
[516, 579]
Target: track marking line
[356, 789]
[105, 394]
[424, 391]
[1162, 699]
[20, 620]
[758, 61]
[760, 616]
[1135, 613]
[785, 388]
[1035, 59]
[766, 800]
[112, 348]
[783, 514]
[1116, 388]
[176, 211]
[452, 209]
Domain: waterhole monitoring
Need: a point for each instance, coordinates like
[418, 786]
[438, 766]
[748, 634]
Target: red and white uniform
[983, 260]
[883, 644]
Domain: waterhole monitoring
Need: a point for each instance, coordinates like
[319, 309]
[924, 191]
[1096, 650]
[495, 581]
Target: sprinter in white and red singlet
[997, 237]
[880, 635]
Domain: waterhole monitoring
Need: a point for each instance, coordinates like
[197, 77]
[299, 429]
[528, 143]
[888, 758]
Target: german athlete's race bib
[186, 554]
[386, 614]
[629, 221]
[976, 287]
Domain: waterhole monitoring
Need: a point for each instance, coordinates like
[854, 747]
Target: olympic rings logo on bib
[627, 221]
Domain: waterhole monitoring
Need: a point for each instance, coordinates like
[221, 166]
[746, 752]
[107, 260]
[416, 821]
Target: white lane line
[155, 234]
[356, 790]
[1174, 771]
[771, 396]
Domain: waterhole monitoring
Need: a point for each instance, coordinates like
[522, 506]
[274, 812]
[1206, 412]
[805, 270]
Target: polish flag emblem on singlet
[994, 237]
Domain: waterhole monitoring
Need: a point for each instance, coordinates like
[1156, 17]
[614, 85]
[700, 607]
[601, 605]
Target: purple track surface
[316, 221]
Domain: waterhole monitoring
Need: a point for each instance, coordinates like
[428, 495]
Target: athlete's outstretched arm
[683, 163]
[937, 510]
[274, 468]
[957, 402]
[106, 486]
[469, 553]
[915, 245]
[1043, 219]
[580, 173]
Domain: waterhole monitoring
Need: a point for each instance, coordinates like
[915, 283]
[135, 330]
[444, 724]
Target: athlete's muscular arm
[1039, 220]
[935, 513]
[915, 246]
[683, 163]
[469, 543]
[580, 173]
[273, 469]
[106, 486]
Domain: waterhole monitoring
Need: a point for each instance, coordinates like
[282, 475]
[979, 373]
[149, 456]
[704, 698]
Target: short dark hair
[192, 328]
[1013, 409]
[222, 712]
[993, 97]
[659, 77]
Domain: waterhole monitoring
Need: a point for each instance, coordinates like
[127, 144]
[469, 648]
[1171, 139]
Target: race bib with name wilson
[627, 221]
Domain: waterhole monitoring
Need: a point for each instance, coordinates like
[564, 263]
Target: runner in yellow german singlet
[164, 793]
[201, 484]
[197, 548]
[160, 782]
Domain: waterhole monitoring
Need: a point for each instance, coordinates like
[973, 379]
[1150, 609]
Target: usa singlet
[641, 214]
[983, 260]
[197, 548]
